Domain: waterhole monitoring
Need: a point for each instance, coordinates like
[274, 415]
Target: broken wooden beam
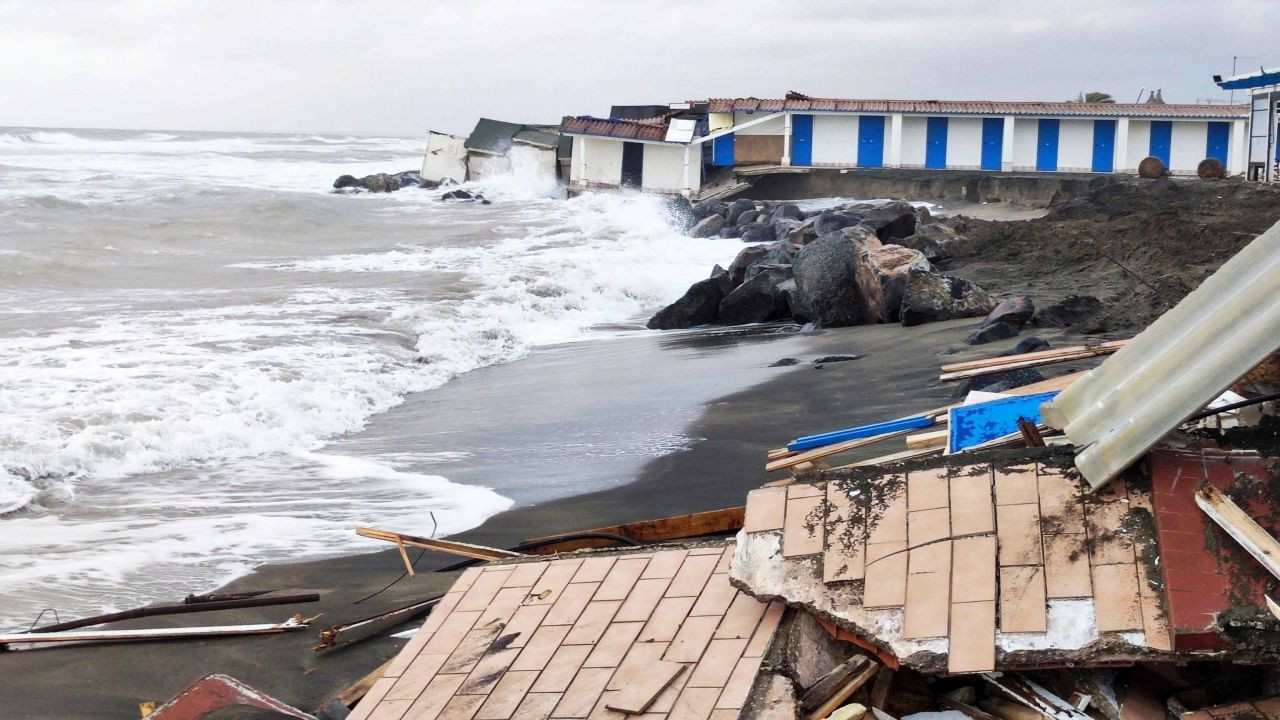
[157, 610]
[845, 692]
[451, 547]
[937, 438]
[826, 686]
[329, 637]
[976, 368]
[357, 690]
[1242, 528]
[676, 527]
[173, 633]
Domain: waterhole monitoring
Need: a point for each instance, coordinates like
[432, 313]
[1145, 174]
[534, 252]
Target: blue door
[801, 139]
[871, 141]
[1104, 145]
[1047, 146]
[722, 150]
[1219, 135]
[935, 143]
[1161, 139]
[992, 143]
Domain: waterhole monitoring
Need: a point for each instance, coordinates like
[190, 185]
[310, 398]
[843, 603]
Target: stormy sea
[203, 349]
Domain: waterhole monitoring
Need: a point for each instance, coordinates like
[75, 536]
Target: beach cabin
[799, 132]
[494, 146]
[1263, 147]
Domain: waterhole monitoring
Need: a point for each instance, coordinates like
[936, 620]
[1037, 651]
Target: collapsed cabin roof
[497, 136]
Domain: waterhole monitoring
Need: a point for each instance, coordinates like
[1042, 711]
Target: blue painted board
[722, 151]
[871, 141]
[935, 143]
[1104, 145]
[802, 140]
[1047, 145]
[992, 143]
[1219, 136]
[1161, 140]
[975, 424]
[809, 442]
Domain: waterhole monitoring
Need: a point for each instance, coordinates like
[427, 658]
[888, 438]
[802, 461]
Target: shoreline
[896, 375]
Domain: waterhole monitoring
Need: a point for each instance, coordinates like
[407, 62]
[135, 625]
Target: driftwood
[329, 637]
[467, 550]
[676, 527]
[356, 692]
[176, 633]
[204, 606]
[976, 368]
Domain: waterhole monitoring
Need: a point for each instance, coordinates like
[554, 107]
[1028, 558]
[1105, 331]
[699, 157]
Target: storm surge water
[188, 321]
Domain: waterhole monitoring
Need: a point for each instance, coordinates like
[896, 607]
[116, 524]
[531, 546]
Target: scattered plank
[676, 527]
[826, 686]
[809, 442]
[478, 552]
[937, 438]
[976, 368]
[1030, 433]
[845, 692]
[1033, 697]
[880, 690]
[829, 450]
[952, 704]
[637, 696]
[895, 457]
[356, 692]
[329, 637]
[175, 633]
[1242, 528]
[157, 610]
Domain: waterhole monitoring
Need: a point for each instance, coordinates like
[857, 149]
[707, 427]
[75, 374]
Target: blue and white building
[1064, 137]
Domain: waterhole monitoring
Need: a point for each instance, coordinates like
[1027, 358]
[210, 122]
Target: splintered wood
[970, 554]
[662, 634]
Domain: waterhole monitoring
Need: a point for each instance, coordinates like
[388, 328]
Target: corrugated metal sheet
[653, 129]
[977, 107]
[1179, 364]
[1264, 77]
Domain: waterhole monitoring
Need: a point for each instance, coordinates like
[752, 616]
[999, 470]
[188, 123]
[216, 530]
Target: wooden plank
[895, 457]
[355, 692]
[844, 693]
[1242, 528]
[150, 633]
[676, 527]
[962, 371]
[829, 450]
[835, 678]
[640, 692]
[937, 438]
[479, 552]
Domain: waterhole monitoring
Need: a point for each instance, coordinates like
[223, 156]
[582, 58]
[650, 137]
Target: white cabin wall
[835, 139]
[663, 169]
[446, 157]
[603, 161]
[1025, 137]
[914, 134]
[771, 127]
[1075, 145]
[1188, 146]
[964, 143]
[1139, 144]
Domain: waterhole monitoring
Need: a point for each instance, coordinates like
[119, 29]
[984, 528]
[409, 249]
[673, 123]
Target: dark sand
[896, 376]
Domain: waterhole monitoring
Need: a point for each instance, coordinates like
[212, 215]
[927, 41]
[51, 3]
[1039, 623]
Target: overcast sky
[402, 67]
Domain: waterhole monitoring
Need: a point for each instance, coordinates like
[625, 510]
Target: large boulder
[1015, 311]
[780, 256]
[935, 240]
[806, 233]
[830, 221]
[836, 284]
[891, 221]
[893, 265]
[990, 333]
[380, 182]
[756, 233]
[706, 208]
[784, 227]
[749, 217]
[759, 299]
[1152, 167]
[708, 226]
[930, 297]
[699, 305]
[861, 237]
[346, 181]
[786, 211]
[745, 259]
[737, 208]
[680, 212]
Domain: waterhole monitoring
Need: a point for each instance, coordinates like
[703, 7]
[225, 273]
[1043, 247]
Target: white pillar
[895, 140]
[786, 140]
[686, 183]
[1006, 145]
[580, 160]
[1120, 148]
[1238, 148]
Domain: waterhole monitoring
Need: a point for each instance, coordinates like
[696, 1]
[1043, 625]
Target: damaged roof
[496, 136]
[795, 102]
[651, 129]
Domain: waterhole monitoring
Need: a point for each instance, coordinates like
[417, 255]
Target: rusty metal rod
[178, 610]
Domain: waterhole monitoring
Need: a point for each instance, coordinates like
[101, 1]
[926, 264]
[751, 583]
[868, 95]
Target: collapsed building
[494, 147]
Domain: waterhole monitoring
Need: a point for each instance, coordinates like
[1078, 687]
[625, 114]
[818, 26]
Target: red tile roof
[978, 107]
[651, 129]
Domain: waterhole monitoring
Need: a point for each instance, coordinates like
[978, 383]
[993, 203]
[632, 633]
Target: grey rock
[745, 258]
[747, 218]
[1082, 313]
[759, 299]
[1027, 345]
[893, 266]
[784, 362]
[707, 226]
[930, 297]
[786, 211]
[991, 333]
[836, 285]
[830, 221]
[835, 359]
[891, 221]
[1015, 311]
[777, 701]
[935, 240]
[737, 208]
[346, 181]
[862, 238]
[728, 231]
[780, 257]
[783, 228]
[706, 208]
[698, 306]
[756, 232]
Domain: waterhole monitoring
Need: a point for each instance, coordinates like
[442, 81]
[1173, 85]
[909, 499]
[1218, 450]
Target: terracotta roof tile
[652, 129]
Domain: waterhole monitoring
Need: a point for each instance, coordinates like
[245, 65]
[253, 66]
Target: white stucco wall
[1188, 146]
[914, 132]
[835, 139]
[663, 168]
[1075, 145]
[602, 161]
[1139, 144]
[964, 143]
[446, 157]
[1025, 135]
[771, 127]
